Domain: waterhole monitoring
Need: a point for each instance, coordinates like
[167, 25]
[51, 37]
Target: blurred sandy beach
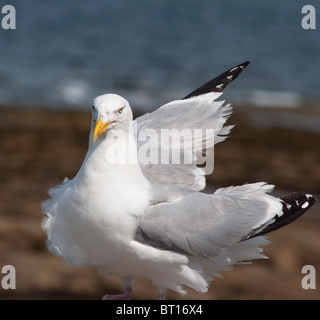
[39, 148]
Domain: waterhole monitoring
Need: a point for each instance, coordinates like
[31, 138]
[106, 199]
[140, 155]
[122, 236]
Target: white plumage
[196, 113]
[150, 220]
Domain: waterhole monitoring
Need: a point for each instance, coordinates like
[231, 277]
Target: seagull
[132, 218]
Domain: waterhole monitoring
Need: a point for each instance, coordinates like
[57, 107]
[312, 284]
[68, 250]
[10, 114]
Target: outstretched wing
[199, 112]
[199, 224]
[219, 83]
[173, 140]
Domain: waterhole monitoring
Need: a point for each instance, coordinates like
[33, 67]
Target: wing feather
[199, 224]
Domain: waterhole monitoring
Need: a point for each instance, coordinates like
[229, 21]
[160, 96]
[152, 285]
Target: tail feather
[294, 205]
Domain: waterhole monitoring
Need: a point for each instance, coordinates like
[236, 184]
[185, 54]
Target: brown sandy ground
[39, 148]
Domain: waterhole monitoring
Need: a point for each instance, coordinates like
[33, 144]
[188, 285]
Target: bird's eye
[93, 108]
[120, 110]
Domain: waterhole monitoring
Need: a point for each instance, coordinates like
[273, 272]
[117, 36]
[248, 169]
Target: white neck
[115, 151]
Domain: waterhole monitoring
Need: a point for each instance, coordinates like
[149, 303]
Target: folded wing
[199, 224]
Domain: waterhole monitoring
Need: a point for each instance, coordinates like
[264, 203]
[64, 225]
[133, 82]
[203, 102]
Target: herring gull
[133, 218]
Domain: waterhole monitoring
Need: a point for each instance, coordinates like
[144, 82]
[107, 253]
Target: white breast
[94, 216]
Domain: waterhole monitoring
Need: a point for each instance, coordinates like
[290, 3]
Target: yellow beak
[99, 129]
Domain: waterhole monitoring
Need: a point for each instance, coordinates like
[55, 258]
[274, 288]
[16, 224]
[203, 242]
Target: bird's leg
[162, 294]
[127, 295]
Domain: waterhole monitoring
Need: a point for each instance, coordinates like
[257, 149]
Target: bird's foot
[162, 294]
[127, 295]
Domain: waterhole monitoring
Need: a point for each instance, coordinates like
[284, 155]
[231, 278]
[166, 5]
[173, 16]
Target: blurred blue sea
[64, 53]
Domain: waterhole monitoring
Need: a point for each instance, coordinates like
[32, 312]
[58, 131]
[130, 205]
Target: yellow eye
[120, 110]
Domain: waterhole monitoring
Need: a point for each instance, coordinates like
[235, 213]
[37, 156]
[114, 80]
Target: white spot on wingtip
[230, 77]
[219, 86]
[233, 69]
[308, 196]
[305, 205]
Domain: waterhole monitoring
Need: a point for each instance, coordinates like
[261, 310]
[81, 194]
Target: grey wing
[199, 224]
[197, 111]
[183, 133]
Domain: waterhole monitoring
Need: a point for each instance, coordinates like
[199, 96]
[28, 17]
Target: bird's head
[109, 111]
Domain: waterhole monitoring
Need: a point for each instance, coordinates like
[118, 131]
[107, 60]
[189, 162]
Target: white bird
[149, 220]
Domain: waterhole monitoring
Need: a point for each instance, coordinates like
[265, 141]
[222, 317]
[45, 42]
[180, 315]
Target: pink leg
[162, 294]
[127, 295]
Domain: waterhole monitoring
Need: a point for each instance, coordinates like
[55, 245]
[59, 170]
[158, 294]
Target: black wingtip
[294, 205]
[219, 83]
